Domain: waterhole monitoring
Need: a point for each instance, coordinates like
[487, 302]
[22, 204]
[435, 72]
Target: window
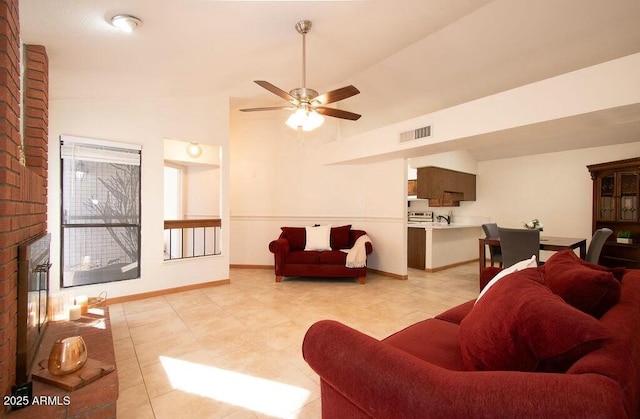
[100, 211]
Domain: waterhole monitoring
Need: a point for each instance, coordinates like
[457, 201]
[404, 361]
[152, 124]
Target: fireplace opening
[33, 302]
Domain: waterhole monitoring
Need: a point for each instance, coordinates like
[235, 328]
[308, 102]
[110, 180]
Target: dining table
[552, 243]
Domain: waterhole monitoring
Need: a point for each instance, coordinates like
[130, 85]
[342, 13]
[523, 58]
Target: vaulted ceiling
[407, 57]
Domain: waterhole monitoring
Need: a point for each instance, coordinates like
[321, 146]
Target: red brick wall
[23, 188]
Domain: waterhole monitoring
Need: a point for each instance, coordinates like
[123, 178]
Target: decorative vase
[67, 355]
[624, 240]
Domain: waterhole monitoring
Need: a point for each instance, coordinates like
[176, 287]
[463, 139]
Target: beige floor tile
[173, 346]
[159, 314]
[124, 348]
[129, 374]
[146, 304]
[169, 326]
[132, 398]
[234, 351]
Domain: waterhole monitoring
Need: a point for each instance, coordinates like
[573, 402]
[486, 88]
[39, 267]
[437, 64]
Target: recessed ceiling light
[126, 23]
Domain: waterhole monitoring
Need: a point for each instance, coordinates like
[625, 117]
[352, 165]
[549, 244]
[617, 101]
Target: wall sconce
[194, 150]
[126, 23]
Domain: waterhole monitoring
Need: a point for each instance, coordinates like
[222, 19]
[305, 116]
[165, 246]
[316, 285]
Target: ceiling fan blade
[337, 113]
[338, 94]
[276, 90]
[270, 108]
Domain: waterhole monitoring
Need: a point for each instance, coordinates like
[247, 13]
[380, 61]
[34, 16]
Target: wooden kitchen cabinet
[616, 191]
[445, 187]
[416, 248]
[412, 187]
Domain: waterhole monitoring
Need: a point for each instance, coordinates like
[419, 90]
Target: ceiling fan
[307, 103]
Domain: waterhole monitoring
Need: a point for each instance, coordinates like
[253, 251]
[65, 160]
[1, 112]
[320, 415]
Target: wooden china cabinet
[616, 191]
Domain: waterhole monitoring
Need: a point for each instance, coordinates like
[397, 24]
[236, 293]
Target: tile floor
[233, 351]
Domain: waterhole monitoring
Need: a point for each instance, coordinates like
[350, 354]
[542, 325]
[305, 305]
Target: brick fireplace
[23, 169]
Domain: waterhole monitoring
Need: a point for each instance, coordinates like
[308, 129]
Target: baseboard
[453, 265]
[240, 266]
[389, 274]
[383, 273]
[135, 297]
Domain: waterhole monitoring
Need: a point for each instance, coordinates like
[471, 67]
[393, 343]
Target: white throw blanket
[357, 255]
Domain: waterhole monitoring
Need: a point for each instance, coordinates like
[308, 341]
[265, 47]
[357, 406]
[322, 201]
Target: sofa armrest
[386, 382]
[353, 236]
[279, 246]
[280, 250]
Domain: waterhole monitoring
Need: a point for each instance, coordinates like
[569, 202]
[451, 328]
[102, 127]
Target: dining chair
[491, 231]
[597, 242]
[518, 244]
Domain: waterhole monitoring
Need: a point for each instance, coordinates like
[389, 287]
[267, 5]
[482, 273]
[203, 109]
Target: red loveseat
[291, 258]
[511, 355]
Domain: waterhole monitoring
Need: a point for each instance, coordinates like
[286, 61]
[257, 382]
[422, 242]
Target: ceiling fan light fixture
[126, 23]
[305, 120]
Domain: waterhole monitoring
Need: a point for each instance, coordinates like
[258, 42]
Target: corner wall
[146, 121]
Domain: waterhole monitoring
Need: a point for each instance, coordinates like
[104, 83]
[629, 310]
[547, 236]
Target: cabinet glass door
[628, 196]
[606, 201]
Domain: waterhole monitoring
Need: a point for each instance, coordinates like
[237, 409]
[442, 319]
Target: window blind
[78, 148]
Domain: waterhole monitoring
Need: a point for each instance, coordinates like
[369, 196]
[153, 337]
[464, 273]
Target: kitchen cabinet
[445, 187]
[616, 190]
[416, 247]
[412, 187]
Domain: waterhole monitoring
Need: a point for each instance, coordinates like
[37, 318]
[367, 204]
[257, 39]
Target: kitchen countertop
[442, 226]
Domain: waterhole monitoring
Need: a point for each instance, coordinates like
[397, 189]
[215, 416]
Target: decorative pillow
[617, 272]
[521, 325]
[318, 238]
[523, 264]
[340, 237]
[591, 290]
[296, 237]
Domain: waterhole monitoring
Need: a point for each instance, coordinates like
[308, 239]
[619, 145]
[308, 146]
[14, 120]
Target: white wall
[556, 188]
[145, 122]
[201, 192]
[277, 179]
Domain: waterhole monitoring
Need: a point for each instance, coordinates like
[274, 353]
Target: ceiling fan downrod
[303, 27]
[302, 93]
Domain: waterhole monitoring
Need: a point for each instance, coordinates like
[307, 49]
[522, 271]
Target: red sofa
[291, 258]
[460, 364]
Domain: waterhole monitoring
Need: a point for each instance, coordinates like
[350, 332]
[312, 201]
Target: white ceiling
[407, 57]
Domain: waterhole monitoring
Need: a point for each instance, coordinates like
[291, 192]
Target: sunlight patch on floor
[253, 393]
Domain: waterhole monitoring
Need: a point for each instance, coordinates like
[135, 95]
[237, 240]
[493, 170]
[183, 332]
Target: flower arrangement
[533, 224]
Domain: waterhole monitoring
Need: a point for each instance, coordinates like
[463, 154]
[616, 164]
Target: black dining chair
[491, 231]
[518, 244]
[597, 242]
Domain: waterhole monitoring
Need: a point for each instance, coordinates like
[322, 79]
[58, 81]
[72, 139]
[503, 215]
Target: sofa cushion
[303, 257]
[520, 325]
[432, 340]
[333, 257]
[318, 238]
[457, 313]
[523, 264]
[591, 290]
[340, 237]
[296, 237]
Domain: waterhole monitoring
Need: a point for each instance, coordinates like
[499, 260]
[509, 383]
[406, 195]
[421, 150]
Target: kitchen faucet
[445, 217]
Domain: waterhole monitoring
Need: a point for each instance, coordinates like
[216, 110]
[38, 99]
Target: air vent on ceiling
[416, 134]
